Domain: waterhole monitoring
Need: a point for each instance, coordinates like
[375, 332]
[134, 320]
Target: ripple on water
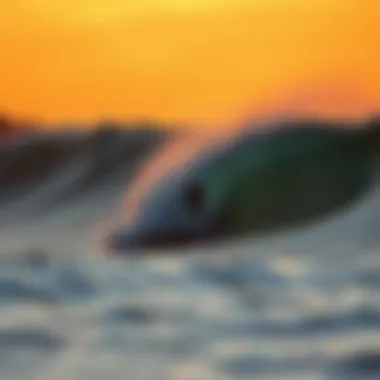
[73, 284]
[369, 278]
[263, 364]
[237, 274]
[362, 365]
[33, 338]
[333, 323]
[16, 289]
[36, 259]
[131, 314]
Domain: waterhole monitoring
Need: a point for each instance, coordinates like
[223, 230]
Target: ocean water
[298, 305]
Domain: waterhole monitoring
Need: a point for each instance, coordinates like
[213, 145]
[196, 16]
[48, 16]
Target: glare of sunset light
[188, 61]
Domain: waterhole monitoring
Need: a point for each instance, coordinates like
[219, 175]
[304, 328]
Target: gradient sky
[192, 61]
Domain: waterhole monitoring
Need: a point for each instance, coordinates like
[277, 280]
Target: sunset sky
[200, 62]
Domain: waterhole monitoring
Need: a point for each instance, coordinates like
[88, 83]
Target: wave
[39, 172]
[281, 308]
[77, 180]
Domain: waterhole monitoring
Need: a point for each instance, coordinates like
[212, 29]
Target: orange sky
[191, 61]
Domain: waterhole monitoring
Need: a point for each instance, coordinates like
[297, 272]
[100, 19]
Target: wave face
[47, 176]
[301, 305]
